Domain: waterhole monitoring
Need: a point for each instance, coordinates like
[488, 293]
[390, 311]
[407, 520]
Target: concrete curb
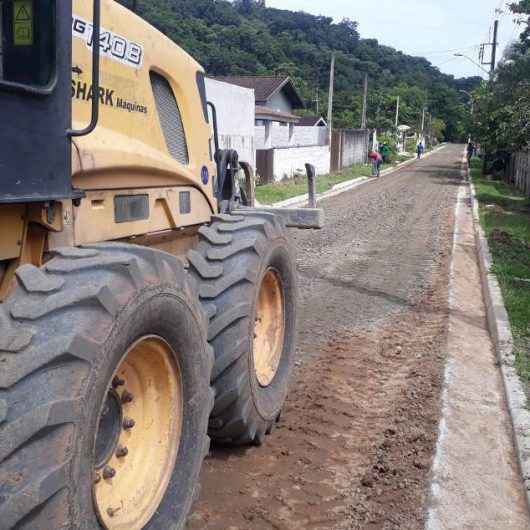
[501, 334]
[348, 184]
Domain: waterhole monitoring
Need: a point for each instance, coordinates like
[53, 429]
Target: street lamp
[469, 59]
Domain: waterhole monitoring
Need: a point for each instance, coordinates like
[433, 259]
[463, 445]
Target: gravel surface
[355, 443]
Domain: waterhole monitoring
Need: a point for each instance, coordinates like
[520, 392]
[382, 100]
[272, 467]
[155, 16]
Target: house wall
[280, 102]
[349, 147]
[236, 128]
[355, 147]
[274, 135]
[289, 161]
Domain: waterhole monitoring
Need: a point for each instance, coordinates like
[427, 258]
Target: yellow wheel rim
[269, 328]
[138, 436]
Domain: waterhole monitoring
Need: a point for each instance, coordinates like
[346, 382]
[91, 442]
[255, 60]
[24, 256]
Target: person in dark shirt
[470, 150]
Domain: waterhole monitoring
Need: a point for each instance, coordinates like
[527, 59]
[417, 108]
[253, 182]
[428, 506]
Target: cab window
[27, 42]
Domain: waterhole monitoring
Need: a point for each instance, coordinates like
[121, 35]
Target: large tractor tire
[247, 284]
[104, 392]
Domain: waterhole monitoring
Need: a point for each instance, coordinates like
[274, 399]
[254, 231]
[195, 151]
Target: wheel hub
[138, 436]
[269, 328]
[109, 430]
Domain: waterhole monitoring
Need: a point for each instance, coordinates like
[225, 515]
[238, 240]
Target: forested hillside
[243, 37]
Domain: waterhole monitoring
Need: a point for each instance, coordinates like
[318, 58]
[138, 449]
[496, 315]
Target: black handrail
[215, 129]
[95, 73]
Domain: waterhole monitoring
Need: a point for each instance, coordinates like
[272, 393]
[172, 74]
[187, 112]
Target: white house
[283, 141]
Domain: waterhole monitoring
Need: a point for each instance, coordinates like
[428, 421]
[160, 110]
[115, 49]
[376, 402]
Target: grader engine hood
[35, 75]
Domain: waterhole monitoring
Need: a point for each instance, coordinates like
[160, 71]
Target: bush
[390, 140]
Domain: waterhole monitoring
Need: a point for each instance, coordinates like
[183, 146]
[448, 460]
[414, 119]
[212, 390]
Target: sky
[434, 29]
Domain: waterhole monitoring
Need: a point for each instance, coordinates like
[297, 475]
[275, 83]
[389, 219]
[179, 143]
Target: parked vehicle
[145, 306]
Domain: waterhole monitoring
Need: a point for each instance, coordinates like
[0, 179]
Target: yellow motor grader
[145, 306]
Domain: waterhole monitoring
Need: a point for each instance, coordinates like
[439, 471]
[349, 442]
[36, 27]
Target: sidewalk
[476, 479]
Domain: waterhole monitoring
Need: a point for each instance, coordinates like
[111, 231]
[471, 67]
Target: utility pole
[423, 125]
[317, 101]
[397, 112]
[495, 44]
[330, 99]
[365, 102]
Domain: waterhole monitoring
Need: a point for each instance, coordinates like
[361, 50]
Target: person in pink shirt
[377, 161]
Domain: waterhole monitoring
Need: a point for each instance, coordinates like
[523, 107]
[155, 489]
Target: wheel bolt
[108, 472]
[122, 451]
[117, 381]
[111, 512]
[126, 397]
[97, 478]
[128, 423]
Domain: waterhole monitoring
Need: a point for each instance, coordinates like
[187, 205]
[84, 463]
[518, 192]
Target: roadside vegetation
[505, 217]
[281, 191]
[500, 122]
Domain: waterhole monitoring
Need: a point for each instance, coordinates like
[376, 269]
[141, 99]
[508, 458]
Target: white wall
[236, 114]
[290, 161]
[289, 137]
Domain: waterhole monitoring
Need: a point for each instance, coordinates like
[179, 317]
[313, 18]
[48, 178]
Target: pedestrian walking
[420, 149]
[470, 151]
[377, 161]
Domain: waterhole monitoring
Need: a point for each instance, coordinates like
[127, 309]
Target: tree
[502, 117]
[438, 129]
[523, 8]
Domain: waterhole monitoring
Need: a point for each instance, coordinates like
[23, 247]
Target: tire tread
[245, 236]
[75, 280]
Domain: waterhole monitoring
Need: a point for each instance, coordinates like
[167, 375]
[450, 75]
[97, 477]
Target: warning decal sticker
[111, 45]
[23, 22]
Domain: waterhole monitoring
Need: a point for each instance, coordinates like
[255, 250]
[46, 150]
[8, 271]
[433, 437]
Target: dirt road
[355, 443]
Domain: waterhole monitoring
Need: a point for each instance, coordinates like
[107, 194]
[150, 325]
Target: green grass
[281, 191]
[505, 217]
[403, 158]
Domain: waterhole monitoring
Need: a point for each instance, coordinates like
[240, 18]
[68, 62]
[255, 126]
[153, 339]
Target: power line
[447, 51]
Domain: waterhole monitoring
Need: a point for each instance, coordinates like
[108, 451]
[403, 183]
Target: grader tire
[88, 346]
[247, 284]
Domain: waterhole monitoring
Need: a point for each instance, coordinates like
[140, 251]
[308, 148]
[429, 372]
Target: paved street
[356, 441]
